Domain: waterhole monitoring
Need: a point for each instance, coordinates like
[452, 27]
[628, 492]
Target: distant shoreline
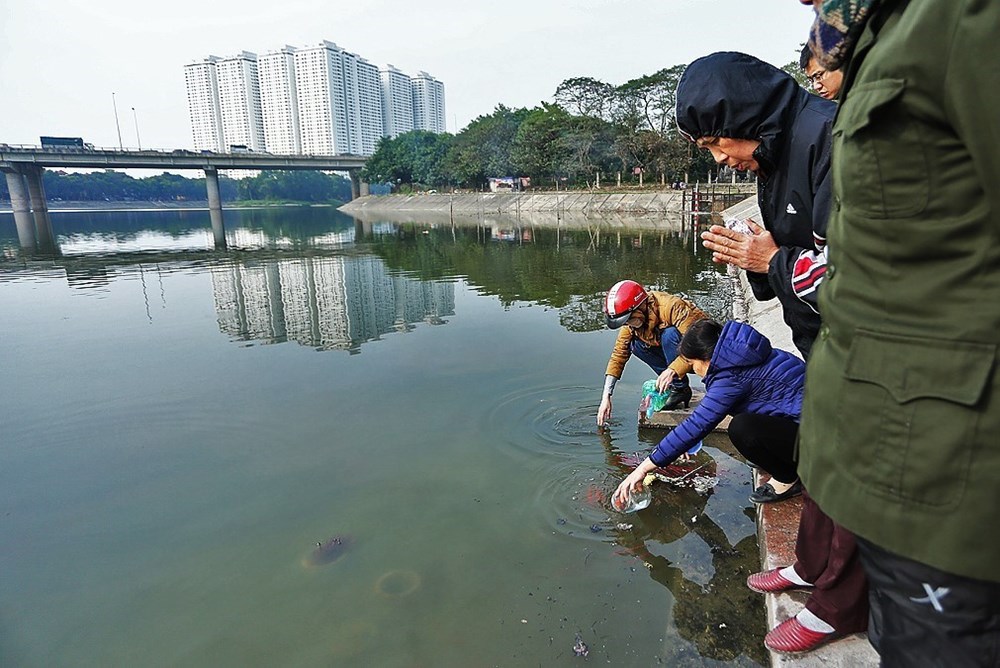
[193, 205]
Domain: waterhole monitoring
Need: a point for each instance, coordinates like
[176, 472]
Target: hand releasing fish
[580, 648]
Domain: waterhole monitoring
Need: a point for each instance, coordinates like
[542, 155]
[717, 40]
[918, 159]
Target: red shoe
[790, 637]
[772, 581]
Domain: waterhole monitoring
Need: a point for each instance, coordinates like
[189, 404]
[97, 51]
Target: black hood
[734, 95]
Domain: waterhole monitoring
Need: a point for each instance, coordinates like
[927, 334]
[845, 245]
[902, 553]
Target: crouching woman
[760, 386]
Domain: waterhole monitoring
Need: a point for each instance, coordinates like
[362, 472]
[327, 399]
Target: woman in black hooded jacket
[733, 96]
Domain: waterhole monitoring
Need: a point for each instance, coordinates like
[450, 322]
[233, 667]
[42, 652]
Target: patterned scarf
[837, 27]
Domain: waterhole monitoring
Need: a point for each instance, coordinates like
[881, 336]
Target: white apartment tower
[428, 103]
[318, 99]
[279, 102]
[201, 81]
[397, 102]
[239, 101]
[363, 93]
[319, 83]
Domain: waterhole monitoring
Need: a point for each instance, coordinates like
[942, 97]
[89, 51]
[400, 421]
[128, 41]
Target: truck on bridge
[64, 142]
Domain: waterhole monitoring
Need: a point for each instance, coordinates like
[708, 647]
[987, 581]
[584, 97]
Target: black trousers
[923, 616]
[768, 442]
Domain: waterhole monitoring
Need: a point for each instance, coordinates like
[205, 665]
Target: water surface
[182, 426]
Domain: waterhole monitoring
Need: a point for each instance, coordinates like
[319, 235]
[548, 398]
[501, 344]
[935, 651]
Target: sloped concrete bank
[777, 524]
[522, 203]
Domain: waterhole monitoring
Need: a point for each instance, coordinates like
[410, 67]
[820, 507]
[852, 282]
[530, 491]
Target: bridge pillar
[39, 209]
[215, 207]
[19, 202]
[355, 184]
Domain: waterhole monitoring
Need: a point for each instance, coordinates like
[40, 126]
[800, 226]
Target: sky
[66, 64]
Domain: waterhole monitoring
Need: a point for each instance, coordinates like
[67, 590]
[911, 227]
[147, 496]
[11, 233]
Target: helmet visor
[618, 321]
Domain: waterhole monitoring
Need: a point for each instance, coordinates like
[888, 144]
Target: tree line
[112, 186]
[590, 128]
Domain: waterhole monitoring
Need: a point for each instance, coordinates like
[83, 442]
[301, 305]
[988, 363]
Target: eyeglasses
[816, 77]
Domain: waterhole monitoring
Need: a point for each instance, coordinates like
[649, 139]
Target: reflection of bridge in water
[23, 167]
[328, 303]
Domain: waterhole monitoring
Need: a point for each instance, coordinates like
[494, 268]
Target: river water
[182, 426]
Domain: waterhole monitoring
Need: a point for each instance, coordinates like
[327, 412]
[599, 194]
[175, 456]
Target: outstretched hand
[604, 412]
[752, 252]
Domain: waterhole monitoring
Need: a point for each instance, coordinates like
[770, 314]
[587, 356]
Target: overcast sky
[60, 60]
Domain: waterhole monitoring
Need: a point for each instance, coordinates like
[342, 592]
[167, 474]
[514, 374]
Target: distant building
[279, 103]
[239, 102]
[201, 82]
[397, 102]
[316, 99]
[428, 103]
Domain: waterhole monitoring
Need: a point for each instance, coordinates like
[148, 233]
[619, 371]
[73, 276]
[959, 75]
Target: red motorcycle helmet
[623, 298]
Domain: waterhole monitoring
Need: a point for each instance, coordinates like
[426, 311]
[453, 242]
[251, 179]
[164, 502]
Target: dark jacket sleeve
[722, 395]
[796, 272]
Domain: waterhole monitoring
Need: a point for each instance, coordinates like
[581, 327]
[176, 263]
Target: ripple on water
[552, 420]
[574, 499]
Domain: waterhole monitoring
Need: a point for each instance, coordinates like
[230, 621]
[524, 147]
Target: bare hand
[664, 379]
[632, 482]
[604, 412]
[751, 252]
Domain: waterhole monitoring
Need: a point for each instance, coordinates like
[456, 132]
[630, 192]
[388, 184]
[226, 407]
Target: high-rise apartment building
[279, 103]
[397, 102]
[319, 82]
[428, 103]
[201, 82]
[363, 92]
[317, 99]
[239, 101]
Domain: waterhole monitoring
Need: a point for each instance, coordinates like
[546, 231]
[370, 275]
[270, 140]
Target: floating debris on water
[580, 648]
[702, 483]
[623, 526]
[561, 521]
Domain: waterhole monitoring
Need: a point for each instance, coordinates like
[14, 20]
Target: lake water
[182, 426]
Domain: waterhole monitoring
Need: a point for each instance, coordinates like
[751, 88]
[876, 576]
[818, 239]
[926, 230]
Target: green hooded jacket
[900, 436]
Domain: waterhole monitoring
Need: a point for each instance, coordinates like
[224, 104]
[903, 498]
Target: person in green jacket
[900, 434]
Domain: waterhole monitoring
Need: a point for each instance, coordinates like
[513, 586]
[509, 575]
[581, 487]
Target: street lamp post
[117, 126]
[136, 119]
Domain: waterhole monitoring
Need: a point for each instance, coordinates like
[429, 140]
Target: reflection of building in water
[327, 303]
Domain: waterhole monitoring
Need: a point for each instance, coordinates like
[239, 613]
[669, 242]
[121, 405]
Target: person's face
[735, 153]
[824, 82]
[638, 318]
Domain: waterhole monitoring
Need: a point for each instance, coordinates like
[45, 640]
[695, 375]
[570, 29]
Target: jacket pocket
[882, 167]
[908, 414]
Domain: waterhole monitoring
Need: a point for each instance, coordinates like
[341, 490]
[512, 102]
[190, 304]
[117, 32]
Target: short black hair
[698, 342]
[805, 57]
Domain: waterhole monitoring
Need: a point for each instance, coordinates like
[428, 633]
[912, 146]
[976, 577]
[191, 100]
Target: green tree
[483, 149]
[541, 148]
[585, 96]
[414, 157]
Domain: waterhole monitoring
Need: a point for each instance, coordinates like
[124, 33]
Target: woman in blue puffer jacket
[760, 386]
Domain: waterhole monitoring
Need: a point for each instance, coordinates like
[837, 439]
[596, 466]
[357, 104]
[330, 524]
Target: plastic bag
[652, 399]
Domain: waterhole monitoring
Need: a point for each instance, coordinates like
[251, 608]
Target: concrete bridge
[23, 166]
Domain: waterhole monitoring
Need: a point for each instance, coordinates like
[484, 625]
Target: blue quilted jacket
[746, 375]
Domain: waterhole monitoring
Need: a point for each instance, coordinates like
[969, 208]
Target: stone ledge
[778, 523]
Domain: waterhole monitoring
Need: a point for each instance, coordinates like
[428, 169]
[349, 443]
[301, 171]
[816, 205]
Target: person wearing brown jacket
[654, 323]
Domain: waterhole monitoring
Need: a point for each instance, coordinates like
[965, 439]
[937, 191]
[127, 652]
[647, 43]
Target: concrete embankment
[777, 523]
[478, 204]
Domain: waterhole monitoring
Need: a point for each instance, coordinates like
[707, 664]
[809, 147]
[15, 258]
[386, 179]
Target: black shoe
[680, 393]
[766, 494]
